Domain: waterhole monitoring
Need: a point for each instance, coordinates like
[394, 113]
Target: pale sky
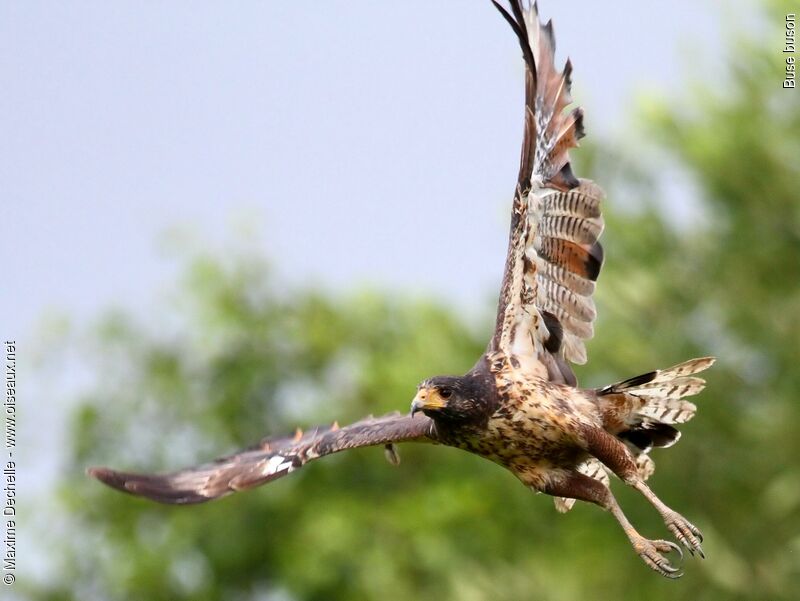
[368, 143]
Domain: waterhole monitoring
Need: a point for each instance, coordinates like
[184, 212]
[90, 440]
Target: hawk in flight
[520, 405]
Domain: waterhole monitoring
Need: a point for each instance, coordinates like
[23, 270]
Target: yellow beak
[427, 398]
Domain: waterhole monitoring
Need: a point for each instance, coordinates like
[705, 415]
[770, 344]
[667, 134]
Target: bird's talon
[672, 547]
[686, 533]
[651, 553]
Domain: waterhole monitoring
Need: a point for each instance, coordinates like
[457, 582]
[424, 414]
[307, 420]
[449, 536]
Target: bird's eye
[445, 393]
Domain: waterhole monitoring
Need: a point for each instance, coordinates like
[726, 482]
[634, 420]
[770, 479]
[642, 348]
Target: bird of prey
[520, 405]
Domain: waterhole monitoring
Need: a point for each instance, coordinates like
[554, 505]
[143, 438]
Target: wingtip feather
[153, 487]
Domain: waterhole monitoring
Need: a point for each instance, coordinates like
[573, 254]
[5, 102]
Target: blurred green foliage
[249, 359]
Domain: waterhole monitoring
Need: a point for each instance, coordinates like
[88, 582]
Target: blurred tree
[250, 360]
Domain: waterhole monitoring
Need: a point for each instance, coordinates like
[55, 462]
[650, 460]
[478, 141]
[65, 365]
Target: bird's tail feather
[643, 410]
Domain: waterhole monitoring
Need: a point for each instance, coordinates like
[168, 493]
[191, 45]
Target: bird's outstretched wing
[268, 460]
[546, 309]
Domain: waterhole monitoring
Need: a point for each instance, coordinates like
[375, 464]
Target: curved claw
[670, 546]
[686, 533]
[651, 553]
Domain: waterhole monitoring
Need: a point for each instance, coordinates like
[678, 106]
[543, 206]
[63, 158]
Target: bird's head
[449, 398]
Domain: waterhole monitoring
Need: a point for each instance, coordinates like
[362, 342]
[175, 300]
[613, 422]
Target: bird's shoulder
[525, 393]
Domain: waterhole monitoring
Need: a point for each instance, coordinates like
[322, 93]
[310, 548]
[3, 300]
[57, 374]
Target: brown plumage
[520, 405]
[269, 459]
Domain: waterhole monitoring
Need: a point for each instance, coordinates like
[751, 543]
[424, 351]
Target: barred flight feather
[578, 306]
[581, 329]
[642, 410]
[669, 411]
[687, 368]
[677, 388]
[583, 200]
[558, 274]
[554, 256]
[572, 228]
[671, 374]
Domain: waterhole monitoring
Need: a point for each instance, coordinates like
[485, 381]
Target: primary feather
[268, 460]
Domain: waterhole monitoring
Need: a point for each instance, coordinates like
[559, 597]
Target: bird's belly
[536, 428]
[534, 433]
